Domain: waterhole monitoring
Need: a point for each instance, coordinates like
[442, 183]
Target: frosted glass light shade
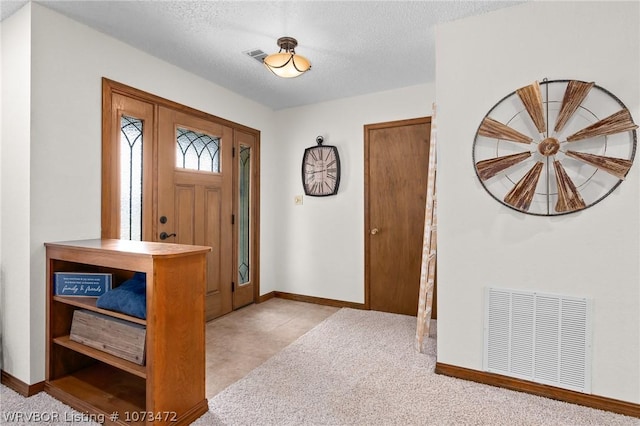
[287, 64]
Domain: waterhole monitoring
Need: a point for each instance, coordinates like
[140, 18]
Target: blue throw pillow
[128, 298]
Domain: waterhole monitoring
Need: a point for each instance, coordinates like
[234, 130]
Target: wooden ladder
[429, 246]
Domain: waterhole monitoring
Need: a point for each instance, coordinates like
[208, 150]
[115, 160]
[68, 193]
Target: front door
[396, 166]
[177, 175]
[195, 181]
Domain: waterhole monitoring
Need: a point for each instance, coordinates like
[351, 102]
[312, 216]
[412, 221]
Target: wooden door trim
[114, 87]
[110, 87]
[367, 224]
[256, 212]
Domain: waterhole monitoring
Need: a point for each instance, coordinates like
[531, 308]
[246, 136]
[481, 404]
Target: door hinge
[233, 219]
[233, 286]
[233, 151]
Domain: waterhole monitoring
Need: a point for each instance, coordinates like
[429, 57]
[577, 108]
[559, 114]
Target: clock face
[554, 147]
[321, 171]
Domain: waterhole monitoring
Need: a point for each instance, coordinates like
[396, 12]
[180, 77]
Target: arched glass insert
[244, 200]
[131, 141]
[197, 151]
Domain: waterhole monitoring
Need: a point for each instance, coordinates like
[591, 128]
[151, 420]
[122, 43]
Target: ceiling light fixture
[286, 63]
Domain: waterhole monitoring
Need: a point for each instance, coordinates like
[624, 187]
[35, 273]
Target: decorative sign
[81, 284]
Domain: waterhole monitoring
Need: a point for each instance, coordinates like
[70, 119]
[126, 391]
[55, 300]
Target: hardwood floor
[242, 340]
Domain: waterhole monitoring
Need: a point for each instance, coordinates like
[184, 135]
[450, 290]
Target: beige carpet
[39, 409]
[360, 368]
[355, 368]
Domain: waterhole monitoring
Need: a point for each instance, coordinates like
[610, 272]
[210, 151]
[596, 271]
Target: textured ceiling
[355, 47]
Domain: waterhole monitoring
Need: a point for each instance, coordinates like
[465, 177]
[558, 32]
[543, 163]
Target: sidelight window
[244, 204]
[131, 141]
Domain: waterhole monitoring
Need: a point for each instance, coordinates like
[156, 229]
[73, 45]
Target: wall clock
[554, 147]
[321, 169]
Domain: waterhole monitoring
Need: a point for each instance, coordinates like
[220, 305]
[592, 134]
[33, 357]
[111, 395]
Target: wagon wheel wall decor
[554, 147]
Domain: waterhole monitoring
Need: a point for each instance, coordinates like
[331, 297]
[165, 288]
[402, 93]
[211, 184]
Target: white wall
[320, 244]
[15, 302]
[481, 243]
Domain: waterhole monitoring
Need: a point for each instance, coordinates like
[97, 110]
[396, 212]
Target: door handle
[374, 231]
[164, 235]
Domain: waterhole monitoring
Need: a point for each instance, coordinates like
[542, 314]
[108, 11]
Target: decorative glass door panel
[244, 203]
[131, 165]
[197, 151]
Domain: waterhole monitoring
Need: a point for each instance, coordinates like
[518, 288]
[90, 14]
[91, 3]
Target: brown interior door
[194, 206]
[396, 166]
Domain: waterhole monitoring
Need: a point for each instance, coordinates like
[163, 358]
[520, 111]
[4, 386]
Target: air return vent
[539, 337]
[256, 54]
